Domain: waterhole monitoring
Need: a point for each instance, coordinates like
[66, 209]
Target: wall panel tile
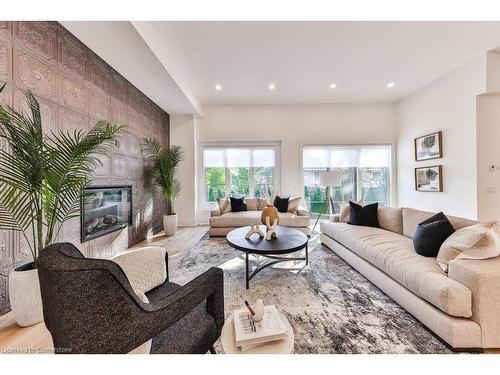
[100, 104]
[31, 73]
[73, 56]
[74, 94]
[39, 37]
[75, 88]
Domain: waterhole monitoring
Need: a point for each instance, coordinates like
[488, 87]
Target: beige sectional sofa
[222, 223]
[462, 307]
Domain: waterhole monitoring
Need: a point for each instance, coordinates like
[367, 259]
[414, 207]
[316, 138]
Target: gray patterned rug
[331, 307]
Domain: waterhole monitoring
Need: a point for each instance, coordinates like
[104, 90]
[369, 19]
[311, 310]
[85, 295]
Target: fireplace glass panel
[105, 209]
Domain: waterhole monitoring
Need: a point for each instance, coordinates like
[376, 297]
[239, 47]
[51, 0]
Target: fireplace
[104, 209]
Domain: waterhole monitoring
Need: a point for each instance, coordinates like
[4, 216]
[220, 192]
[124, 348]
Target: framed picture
[429, 178]
[429, 146]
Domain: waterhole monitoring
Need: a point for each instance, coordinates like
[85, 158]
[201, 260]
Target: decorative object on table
[254, 229]
[328, 179]
[429, 178]
[429, 146]
[250, 332]
[270, 218]
[271, 229]
[271, 212]
[41, 180]
[289, 240]
[164, 163]
[259, 310]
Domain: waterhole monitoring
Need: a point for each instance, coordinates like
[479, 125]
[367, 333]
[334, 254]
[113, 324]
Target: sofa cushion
[293, 204]
[238, 204]
[394, 255]
[431, 233]
[224, 205]
[463, 239]
[364, 215]
[252, 204]
[391, 218]
[281, 203]
[411, 218]
[241, 219]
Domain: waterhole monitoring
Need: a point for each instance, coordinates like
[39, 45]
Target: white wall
[183, 133]
[294, 126]
[488, 154]
[448, 104]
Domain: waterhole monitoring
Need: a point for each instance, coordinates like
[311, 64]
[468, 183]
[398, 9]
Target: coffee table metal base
[274, 260]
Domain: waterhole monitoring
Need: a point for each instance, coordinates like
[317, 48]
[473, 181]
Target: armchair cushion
[145, 268]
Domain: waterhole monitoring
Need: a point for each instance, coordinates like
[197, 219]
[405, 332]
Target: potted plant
[163, 170]
[41, 178]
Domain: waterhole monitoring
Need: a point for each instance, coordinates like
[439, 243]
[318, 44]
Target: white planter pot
[24, 296]
[170, 224]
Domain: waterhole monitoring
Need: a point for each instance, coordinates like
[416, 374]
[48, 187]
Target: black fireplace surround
[104, 209]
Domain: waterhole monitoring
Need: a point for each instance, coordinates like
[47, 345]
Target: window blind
[347, 157]
[238, 157]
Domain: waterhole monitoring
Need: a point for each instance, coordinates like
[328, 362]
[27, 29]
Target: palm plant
[42, 175]
[163, 169]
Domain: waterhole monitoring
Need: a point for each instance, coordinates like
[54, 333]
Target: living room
[249, 185]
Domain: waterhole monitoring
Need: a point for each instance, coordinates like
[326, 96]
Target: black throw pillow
[430, 235]
[364, 215]
[238, 204]
[281, 204]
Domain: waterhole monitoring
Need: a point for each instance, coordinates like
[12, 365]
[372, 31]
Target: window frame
[202, 187]
[392, 199]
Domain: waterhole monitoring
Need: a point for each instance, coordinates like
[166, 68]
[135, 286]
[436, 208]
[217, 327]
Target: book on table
[250, 334]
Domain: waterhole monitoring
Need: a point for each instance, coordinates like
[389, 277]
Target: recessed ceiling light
[271, 86]
[218, 87]
[390, 85]
[333, 85]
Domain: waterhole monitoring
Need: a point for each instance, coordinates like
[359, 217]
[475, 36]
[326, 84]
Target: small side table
[285, 346]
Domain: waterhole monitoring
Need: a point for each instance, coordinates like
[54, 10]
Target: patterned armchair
[90, 306]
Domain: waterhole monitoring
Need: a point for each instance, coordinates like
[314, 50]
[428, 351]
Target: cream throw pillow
[224, 205]
[480, 241]
[144, 267]
[293, 204]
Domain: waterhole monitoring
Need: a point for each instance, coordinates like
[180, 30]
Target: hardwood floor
[36, 339]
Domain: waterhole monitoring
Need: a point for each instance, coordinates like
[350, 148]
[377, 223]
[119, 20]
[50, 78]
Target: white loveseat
[222, 223]
[462, 307]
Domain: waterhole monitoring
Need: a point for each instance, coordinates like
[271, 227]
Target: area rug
[331, 307]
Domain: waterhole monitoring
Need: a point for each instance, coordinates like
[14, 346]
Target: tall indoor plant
[41, 178]
[163, 170]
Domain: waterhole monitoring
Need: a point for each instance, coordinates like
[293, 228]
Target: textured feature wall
[76, 89]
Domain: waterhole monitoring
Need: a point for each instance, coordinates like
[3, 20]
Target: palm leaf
[164, 162]
[41, 176]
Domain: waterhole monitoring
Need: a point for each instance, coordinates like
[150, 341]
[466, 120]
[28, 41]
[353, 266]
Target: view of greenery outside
[264, 182]
[240, 185]
[263, 178]
[374, 188]
[374, 185]
[215, 183]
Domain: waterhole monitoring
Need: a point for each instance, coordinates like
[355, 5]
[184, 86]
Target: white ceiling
[303, 58]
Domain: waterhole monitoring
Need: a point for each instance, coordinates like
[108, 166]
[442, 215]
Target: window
[365, 175]
[239, 171]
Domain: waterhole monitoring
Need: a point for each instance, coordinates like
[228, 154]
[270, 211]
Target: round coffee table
[285, 346]
[288, 241]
